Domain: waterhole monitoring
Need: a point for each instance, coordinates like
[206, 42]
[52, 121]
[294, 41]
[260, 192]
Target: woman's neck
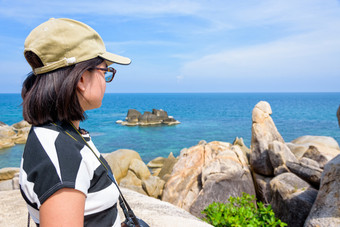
[76, 124]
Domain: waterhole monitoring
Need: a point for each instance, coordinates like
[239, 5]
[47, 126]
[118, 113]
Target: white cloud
[308, 54]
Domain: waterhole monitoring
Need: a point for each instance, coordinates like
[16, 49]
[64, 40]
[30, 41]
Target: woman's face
[91, 88]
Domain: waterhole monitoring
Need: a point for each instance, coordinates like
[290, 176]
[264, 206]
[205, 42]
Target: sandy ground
[13, 210]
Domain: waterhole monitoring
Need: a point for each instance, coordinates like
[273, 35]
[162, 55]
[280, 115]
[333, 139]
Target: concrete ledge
[13, 211]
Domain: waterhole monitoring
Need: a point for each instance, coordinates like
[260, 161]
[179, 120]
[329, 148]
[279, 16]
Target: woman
[61, 179]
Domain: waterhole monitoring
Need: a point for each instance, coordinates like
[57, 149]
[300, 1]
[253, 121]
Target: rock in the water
[21, 124]
[326, 208]
[264, 132]
[15, 134]
[292, 198]
[133, 116]
[149, 119]
[161, 114]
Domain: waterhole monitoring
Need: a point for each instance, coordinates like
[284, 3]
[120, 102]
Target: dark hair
[52, 96]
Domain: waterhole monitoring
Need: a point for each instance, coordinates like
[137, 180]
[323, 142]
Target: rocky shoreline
[299, 179]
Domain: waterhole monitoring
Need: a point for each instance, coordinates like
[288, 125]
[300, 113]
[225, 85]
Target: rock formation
[326, 208]
[157, 117]
[15, 134]
[264, 132]
[205, 173]
[131, 172]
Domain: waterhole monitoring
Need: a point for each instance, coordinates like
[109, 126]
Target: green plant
[241, 211]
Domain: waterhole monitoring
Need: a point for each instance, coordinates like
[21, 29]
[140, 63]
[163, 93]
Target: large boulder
[6, 134]
[21, 136]
[239, 142]
[120, 160]
[320, 148]
[262, 186]
[153, 186]
[326, 208]
[131, 181]
[8, 173]
[208, 173]
[15, 134]
[308, 173]
[264, 132]
[279, 154]
[167, 167]
[20, 125]
[292, 198]
[140, 169]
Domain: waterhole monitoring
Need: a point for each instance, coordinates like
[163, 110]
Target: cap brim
[114, 58]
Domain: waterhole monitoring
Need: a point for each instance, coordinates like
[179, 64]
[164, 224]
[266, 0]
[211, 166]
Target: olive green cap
[63, 42]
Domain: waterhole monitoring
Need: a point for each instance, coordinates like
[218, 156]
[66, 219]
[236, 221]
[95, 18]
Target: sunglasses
[109, 73]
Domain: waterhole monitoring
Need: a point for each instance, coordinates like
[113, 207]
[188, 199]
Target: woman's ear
[81, 86]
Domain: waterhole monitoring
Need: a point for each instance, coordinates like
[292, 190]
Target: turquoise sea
[203, 116]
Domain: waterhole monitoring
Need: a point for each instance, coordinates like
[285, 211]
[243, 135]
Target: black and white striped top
[53, 160]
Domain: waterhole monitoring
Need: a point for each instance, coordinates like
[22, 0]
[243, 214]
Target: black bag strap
[128, 213]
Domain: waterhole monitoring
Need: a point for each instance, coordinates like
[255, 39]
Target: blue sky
[194, 46]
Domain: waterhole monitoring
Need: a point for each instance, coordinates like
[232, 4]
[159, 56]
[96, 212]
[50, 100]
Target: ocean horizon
[203, 116]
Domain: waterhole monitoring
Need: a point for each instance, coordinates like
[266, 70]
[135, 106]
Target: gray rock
[223, 177]
[262, 187]
[279, 154]
[326, 147]
[281, 169]
[239, 142]
[314, 154]
[206, 172]
[161, 114]
[218, 188]
[264, 132]
[148, 118]
[326, 208]
[167, 167]
[309, 162]
[308, 173]
[292, 198]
